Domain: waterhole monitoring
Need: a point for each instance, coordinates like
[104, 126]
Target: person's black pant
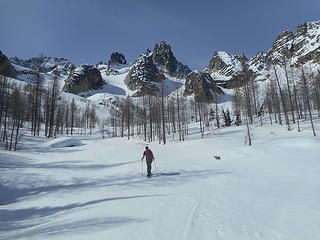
[149, 162]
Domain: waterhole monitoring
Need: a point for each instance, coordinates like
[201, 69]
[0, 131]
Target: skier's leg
[149, 167]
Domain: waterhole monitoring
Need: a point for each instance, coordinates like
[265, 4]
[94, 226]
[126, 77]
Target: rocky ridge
[44, 64]
[296, 50]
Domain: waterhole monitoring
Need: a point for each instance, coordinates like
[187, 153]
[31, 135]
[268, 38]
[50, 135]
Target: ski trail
[198, 223]
[190, 222]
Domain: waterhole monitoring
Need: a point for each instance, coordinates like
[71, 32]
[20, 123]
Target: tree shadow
[9, 218]
[162, 178]
[218, 133]
[41, 149]
[61, 165]
[10, 195]
[74, 227]
[167, 174]
[34, 221]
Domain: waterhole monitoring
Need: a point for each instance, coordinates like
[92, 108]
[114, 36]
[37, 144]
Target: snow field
[270, 190]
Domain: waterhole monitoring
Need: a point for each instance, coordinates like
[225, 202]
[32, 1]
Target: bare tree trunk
[150, 119]
[282, 98]
[289, 92]
[306, 90]
[4, 137]
[248, 133]
[296, 102]
[217, 114]
[163, 117]
[17, 133]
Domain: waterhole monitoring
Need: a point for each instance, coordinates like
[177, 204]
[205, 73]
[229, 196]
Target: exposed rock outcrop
[298, 48]
[117, 59]
[83, 79]
[224, 64]
[143, 76]
[6, 69]
[202, 86]
[282, 47]
[150, 68]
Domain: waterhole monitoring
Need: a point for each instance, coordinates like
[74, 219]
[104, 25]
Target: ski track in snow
[95, 191]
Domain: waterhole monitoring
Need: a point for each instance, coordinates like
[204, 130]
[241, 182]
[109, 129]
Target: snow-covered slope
[116, 87]
[267, 191]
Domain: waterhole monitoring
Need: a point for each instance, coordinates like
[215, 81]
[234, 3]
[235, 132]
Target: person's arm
[144, 153]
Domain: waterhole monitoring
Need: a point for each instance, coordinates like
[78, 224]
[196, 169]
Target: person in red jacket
[149, 158]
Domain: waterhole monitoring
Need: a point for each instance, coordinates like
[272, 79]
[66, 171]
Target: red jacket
[149, 155]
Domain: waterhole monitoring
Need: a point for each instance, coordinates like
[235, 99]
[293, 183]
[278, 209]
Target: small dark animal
[217, 157]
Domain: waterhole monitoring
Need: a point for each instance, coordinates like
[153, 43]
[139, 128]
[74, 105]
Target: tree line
[290, 96]
[40, 110]
[161, 117]
[287, 98]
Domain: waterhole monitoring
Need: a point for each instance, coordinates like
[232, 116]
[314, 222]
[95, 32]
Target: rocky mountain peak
[295, 49]
[302, 29]
[117, 59]
[165, 60]
[308, 29]
[299, 48]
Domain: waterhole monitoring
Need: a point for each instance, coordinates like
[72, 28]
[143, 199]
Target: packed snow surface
[270, 190]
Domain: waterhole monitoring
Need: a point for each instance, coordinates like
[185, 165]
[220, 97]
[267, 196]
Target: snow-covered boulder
[64, 142]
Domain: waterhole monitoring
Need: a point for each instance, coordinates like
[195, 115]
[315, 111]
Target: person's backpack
[149, 154]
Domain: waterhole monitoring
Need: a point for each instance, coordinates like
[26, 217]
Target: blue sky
[88, 31]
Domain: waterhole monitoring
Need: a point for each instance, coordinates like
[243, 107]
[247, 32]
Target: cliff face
[202, 86]
[6, 69]
[83, 79]
[143, 76]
